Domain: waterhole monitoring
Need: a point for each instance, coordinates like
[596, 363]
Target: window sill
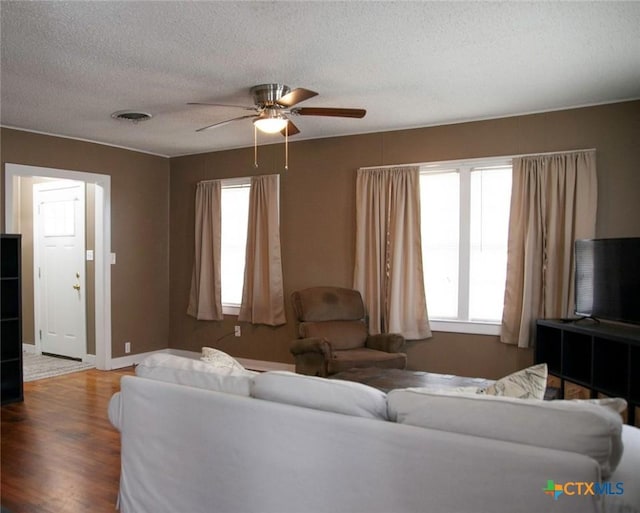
[231, 309]
[471, 327]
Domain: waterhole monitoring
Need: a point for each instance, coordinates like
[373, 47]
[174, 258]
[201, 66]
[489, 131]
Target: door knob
[76, 287]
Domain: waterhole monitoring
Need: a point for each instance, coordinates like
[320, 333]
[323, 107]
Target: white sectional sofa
[195, 440]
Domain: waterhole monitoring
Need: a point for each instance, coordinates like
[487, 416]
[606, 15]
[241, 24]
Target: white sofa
[194, 441]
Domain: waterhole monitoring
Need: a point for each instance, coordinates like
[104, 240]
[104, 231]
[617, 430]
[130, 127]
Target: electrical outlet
[127, 347]
[237, 331]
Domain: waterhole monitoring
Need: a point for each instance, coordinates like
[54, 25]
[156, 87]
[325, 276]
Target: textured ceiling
[66, 66]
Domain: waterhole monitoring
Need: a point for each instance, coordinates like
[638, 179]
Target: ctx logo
[555, 490]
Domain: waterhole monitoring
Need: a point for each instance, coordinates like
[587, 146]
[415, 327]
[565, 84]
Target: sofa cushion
[340, 334]
[529, 383]
[617, 404]
[583, 428]
[337, 396]
[626, 473]
[195, 373]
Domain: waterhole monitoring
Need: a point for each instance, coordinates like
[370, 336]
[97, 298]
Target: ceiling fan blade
[292, 129]
[220, 123]
[327, 111]
[222, 105]
[296, 96]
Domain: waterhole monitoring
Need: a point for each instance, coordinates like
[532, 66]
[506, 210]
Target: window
[59, 218]
[464, 220]
[234, 212]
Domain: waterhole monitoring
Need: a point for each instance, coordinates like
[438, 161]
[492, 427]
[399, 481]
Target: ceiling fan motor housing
[266, 95]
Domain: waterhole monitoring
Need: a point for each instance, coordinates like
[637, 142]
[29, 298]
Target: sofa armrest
[311, 345]
[115, 411]
[388, 342]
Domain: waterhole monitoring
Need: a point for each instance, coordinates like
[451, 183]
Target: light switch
[113, 258]
[89, 255]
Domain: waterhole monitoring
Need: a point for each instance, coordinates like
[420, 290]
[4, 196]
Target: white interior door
[59, 257]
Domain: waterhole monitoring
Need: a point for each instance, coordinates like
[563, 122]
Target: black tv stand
[599, 356]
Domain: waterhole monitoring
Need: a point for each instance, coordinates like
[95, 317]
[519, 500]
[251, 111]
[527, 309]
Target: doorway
[60, 285]
[102, 250]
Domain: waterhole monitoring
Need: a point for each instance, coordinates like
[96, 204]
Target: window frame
[243, 181]
[228, 183]
[463, 168]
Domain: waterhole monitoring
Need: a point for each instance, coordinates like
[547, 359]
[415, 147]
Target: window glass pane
[440, 214]
[59, 218]
[235, 212]
[490, 200]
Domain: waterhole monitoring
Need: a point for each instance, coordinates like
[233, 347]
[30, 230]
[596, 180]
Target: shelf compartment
[10, 335]
[611, 372]
[634, 385]
[9, 306]
[577, 351]
[11, 372]
[10, 264]
[549, 348]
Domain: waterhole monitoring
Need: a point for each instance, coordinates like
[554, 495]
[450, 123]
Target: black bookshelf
[10, 319]
[603, 357]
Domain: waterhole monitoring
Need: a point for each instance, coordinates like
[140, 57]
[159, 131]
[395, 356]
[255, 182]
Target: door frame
[102, 252]
[39, 188]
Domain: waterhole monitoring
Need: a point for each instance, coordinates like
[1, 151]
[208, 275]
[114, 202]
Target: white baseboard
[89, 358]
[133, 359]
[29, 348]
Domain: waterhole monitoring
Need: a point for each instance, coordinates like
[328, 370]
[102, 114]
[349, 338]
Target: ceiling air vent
[130, 115]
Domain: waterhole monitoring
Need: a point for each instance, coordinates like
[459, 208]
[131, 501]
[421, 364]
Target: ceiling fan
[274, 103]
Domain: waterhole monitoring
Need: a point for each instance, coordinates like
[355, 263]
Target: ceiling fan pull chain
[286, 146]
[255, 146]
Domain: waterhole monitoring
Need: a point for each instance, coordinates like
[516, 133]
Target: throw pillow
[529, 383]
[334, 395]
[220, 360]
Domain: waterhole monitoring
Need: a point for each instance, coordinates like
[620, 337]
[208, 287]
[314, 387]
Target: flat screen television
[607, 281]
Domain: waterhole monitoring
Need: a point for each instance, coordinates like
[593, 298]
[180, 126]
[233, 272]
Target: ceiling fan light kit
[273, 104]
[271, 121]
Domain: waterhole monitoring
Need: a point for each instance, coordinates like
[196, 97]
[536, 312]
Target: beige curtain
[205, 300]
[553, 203]
[388, 267]
[262, 294]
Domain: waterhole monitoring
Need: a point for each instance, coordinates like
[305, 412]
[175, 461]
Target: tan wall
[317, 212]
[139, 221]
[318, 209]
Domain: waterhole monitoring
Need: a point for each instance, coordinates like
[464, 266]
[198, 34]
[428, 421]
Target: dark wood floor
[60, 453]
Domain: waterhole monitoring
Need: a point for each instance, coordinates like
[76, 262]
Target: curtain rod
[480, 159]
[235, 178]
[241, 182]
[231, 179]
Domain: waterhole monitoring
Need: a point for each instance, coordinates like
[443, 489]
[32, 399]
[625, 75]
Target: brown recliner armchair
[334, 336]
